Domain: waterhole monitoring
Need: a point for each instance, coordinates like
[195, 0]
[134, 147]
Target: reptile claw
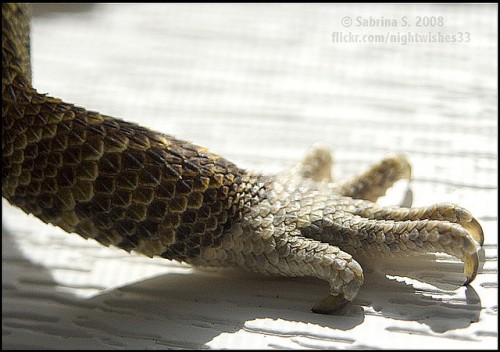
[330, 304]
[471, 265]
[475, 230]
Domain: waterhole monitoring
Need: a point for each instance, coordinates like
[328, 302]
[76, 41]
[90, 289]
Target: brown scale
[108, 179]
[121, 184]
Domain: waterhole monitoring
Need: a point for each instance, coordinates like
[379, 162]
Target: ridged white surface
[258, 84]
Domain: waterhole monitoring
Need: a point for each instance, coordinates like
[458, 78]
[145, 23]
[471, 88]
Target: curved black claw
[471, 265]
[330, 304]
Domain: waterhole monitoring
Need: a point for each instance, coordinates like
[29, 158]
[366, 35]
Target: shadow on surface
[28, 295]
[57, 9]
[190, 310]
[178, 310]
[437, 297]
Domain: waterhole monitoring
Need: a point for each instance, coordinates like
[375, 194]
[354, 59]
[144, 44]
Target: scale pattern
[125, 185]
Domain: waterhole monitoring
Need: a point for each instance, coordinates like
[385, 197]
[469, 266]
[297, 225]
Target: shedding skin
[127, 186]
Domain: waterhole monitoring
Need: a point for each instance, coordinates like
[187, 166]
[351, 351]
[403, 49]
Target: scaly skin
[128, 186]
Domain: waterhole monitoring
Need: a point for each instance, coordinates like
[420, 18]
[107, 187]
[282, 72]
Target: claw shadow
[427, 289]
[179, 310]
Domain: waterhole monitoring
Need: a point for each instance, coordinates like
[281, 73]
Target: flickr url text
[402, 38]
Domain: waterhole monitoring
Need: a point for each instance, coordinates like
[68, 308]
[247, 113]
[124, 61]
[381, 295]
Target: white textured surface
[258, 84]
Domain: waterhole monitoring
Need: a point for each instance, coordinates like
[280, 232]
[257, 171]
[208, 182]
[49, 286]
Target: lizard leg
[288, 254]
[373, 238]
[441, 211]
[267, 239]
[374, 182]
[315, 165]
[353, 226]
